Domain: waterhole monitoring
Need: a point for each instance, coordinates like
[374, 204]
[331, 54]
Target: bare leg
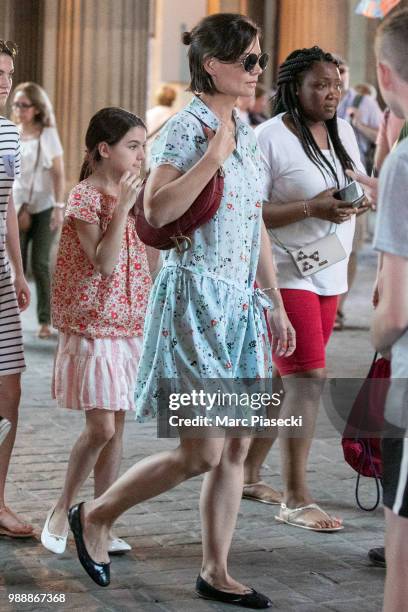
[302, 397]
[219, 504]
[146, 479]
[106, 469]
[99, 430]
[10, 393]
[396, 583]
[257, 454]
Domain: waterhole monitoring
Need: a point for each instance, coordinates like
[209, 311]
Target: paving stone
[300, 570]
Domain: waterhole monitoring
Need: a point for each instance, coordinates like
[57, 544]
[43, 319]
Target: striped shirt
[11, 342]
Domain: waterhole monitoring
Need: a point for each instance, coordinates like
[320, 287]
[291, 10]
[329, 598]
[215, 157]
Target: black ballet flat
[99, 572]
[253, 600]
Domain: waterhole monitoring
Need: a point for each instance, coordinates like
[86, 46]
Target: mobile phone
[352, 193]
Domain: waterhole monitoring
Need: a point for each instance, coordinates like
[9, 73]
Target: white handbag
[317, 255]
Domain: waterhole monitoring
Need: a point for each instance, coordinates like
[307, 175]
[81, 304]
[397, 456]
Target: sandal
[269, 495]
[297, 518]
[25, 531]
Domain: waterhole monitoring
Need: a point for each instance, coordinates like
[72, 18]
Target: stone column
[95, 55]
[312, 22]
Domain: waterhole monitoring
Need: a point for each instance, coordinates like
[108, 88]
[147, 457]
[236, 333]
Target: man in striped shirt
[14, 292]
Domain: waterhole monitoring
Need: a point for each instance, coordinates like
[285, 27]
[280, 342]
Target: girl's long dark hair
[107, 125]
[289, 77]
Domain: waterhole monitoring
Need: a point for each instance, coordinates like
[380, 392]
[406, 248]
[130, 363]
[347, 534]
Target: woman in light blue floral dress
[205, 320]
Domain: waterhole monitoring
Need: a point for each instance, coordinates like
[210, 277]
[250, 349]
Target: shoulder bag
[177, 233]
[361, 439]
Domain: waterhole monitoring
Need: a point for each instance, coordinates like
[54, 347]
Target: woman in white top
[307, 151]
[40, 187]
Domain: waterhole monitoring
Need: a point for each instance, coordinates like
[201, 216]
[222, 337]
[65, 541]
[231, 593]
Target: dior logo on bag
[318, 255]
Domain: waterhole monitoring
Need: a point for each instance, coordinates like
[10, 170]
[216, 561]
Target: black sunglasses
[252, 59]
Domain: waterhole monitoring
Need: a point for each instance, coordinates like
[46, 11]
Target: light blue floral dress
[204, 319]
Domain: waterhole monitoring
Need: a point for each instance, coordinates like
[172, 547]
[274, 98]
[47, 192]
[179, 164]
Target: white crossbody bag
[317, 255]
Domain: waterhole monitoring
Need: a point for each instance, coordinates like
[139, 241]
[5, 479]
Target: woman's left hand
[57, 218]
[283, 333]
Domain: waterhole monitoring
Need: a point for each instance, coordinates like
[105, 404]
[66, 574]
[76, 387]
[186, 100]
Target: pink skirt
[96, 373]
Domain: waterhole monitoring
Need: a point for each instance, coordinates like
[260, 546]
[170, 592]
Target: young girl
[99, 297]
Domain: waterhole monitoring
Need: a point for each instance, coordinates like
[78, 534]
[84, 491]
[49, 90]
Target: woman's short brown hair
[224, 36]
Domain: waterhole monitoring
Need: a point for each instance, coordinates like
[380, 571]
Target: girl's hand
[326, 206]
[283, 333]
[128, 187]
[221, 144]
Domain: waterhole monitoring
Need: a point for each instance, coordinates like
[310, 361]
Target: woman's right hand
[220, 144]
[326, 206]
[128, 188]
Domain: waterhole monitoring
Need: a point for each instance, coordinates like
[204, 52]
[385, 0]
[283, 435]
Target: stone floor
[301, 571]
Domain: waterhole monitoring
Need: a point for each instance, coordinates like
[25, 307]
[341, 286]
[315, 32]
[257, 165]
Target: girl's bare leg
[99, 431]
[106, 469]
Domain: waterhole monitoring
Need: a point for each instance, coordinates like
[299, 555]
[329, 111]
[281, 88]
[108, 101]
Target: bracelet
[306, 208]
[270, 289]
[60, 205]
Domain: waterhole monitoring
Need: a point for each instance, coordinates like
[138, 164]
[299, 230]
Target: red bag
[361, 445]
[177, 233]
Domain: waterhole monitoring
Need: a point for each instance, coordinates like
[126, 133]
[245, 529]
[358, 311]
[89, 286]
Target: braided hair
[286, 100]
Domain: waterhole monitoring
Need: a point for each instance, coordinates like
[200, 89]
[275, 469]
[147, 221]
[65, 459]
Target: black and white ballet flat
[253, 600]
[99, 572]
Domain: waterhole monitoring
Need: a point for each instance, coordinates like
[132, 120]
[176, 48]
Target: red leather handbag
[362, 436]
[177, 233]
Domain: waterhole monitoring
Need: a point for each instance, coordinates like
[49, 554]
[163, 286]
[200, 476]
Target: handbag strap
[288, 251]
[377, 478]
[30, 194]
[203, 125]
